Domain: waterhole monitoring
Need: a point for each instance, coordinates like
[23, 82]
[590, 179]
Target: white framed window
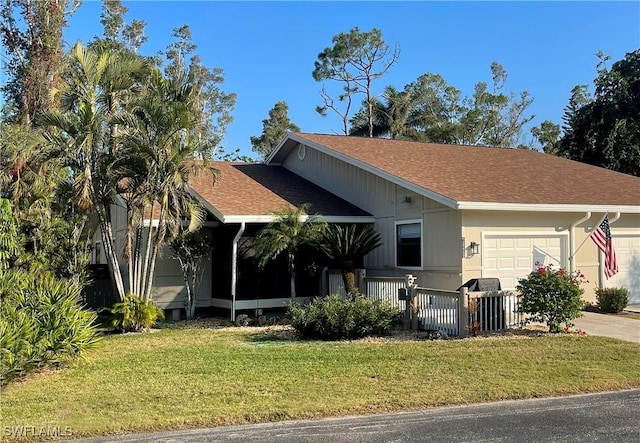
[409, 244]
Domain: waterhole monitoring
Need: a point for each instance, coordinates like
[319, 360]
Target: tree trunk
[106, 234]
[349, 280]
[293, 285]
[369, 107]
[145, 266]
[292, 275]
[185, 277]
[194, 294]
[154, 256]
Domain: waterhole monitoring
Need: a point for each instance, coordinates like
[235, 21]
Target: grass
[183, 378]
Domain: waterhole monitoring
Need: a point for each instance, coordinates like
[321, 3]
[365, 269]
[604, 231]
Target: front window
[408, 247]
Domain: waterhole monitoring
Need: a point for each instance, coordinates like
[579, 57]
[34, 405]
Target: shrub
[612, 299]
[41, 323]
[331, 318]
[551, 296]
[134, 314]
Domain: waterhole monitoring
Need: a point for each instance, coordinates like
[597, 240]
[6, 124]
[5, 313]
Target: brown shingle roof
[492, 175]
[248, 189]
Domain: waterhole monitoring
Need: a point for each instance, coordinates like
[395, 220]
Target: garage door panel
[505, 243]
[523, 263]
[508, 282]
[506, 262]
[491, 243]
[491, 263]
[516, 255]
[628, 255]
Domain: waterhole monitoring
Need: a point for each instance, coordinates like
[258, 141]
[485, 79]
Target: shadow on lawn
[273, 336]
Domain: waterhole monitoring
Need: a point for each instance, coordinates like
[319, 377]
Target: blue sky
[267, 49]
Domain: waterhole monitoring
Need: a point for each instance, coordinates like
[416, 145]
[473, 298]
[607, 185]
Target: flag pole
[585, 240]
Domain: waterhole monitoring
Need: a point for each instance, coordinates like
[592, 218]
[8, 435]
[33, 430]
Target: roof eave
[544, 207]
[268, 218]
[281, 150]
[208, 206]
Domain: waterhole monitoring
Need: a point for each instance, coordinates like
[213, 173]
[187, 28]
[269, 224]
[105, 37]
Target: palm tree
[347, 245]
[81, 132]
[291, 229]
[158, 155]
[390, 118]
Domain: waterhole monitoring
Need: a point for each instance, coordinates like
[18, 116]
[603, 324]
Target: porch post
[234, 270]
[463, 312]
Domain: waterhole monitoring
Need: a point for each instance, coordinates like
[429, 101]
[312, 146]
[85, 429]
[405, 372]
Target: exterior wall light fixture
[474, 248]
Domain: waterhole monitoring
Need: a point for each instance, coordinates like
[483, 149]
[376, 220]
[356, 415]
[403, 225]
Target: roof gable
[480, 177]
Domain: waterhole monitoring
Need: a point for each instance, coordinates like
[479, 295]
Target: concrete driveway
[609, 326]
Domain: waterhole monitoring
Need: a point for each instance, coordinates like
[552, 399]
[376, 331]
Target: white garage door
[510, 256]
[628, 254]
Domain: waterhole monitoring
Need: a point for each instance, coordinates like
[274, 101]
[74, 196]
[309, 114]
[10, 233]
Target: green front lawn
[180, 378]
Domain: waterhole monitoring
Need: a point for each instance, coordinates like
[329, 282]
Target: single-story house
[446, 213]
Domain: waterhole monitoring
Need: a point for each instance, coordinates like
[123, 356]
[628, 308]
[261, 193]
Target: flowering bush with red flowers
[551, 296]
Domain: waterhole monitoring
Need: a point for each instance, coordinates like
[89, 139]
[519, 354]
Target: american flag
[601, 236]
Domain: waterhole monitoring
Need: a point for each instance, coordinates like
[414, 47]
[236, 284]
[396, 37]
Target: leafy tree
[233, 156]
[547, 135]
[605, 130]
[190, 249]
[291, 229]
[39, 189]
[487, 117]
[31, 32]
[212, 106]
[356, 59]
[273, 130]
[346, 246]
[431, 110]
[437, 110]
[117, 33]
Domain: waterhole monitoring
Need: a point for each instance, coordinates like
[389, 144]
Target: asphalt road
[604, 417]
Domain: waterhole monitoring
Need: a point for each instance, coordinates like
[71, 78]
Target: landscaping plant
[331, 318]
[41, 323]
[191, 249]
[612, 299]
[347, 245]
[134, 314]
[551, 296]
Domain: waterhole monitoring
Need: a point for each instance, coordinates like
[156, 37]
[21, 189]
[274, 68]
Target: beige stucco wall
[587, 260]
